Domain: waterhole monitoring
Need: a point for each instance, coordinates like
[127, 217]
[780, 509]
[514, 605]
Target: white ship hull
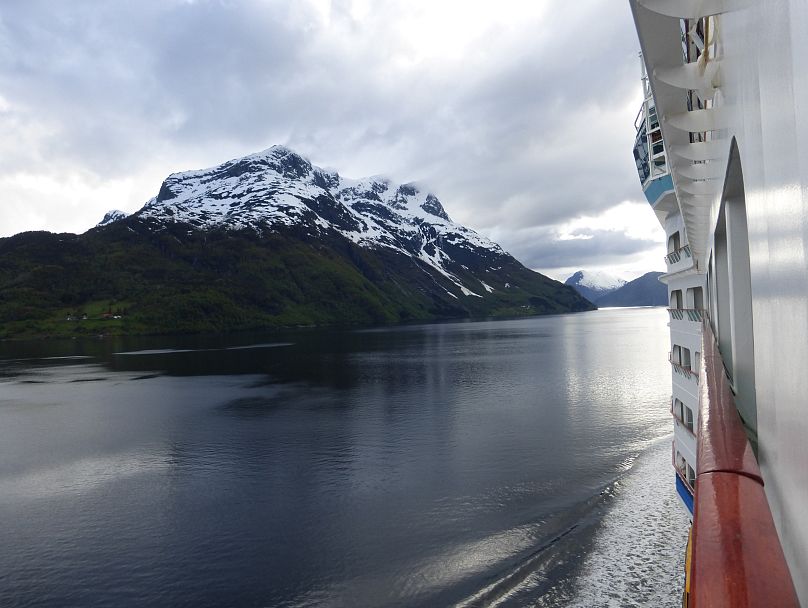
[728, 83]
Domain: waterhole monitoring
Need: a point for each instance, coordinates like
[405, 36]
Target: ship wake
[623, 547]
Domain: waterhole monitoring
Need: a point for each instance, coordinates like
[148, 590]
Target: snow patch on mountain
[112, 216]
[594, 284]
[277, 187]
[595, 279]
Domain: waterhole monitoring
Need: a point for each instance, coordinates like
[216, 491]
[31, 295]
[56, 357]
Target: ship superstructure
[722, 155]
[685, 291]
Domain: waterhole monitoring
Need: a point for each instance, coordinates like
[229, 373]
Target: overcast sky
[518, 115]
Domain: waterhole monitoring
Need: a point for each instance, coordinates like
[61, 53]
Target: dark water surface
[484, 463]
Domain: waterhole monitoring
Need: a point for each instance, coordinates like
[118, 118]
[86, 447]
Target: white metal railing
[693, 314]
[684, 371]
[675, 256]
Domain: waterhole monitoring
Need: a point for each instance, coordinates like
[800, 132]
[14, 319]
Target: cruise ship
[722, 154]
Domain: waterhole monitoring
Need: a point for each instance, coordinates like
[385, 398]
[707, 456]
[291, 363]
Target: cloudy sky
[517, 114]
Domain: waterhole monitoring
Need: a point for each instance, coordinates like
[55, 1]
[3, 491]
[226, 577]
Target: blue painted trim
[658, 188]
[684, 493]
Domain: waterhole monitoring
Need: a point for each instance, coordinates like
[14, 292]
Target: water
[510, 463]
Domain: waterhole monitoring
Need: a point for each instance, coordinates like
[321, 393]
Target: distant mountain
[593, 284]
[112, 216]
[642, 291]
[267, 240]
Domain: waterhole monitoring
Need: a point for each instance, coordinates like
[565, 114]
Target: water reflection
[396, 466]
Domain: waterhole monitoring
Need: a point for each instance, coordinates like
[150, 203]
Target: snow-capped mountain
[268, 241]
[112, 216]
[594, 284]
[278, 189]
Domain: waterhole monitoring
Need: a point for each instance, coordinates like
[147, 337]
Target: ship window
[686, 358]
[681, 356]
[641, 154]
[688, 420]
[677, 409]
[685, 470]
[698, 298]
[695, 298]
[673, 242]
[676, 298]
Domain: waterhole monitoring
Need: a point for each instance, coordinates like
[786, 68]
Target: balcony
[655, 189]
[684, 420]
[695, 315]
[684, 491]
[650, 155]
[681, 474]
[679, 259]
[687, 320]
[683, 370]
[685, 478]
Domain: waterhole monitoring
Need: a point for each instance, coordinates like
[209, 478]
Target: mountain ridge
[645, 290]
[267, 240]
[278, 187]
[593, 284]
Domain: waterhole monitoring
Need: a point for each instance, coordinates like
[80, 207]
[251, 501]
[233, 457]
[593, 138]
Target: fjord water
[515, 462]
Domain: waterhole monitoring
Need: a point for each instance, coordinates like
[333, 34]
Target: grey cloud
[543, 248]
[119, 79]
[512, 134]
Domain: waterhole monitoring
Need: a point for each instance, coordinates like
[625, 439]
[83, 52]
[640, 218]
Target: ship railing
[736, 556]
[682, 370]
[692, 314]
[676, 255]
[640, 118]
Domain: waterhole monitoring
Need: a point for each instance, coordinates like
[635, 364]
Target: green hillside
[127, 278]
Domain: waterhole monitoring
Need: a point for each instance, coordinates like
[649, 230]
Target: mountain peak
[278, 149]
[270, 240]
[594, 284]
[595, 279]
[112, 216]
[262, 176]
[277, 188]
[284, 155]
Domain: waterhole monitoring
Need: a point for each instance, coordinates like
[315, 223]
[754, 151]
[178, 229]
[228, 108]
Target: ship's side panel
[729, 81]
[765, 74]
[685, 293]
